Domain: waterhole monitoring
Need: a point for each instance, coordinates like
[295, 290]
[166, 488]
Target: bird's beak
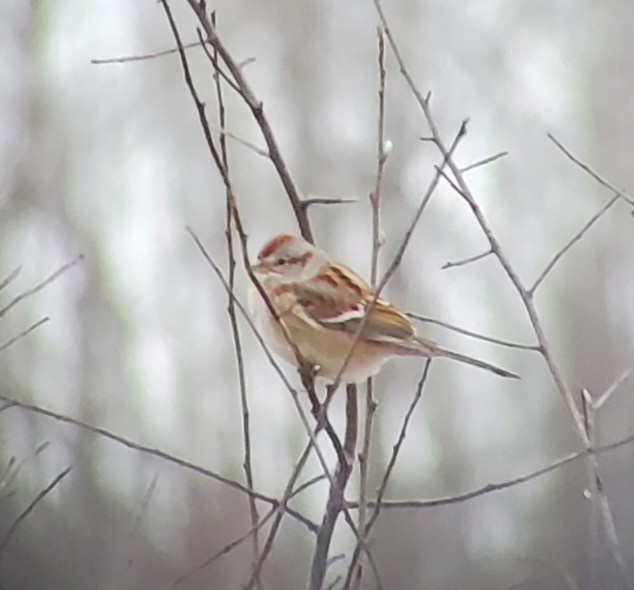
[259, 267]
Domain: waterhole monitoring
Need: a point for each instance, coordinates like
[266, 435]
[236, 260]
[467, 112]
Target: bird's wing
[338, 299]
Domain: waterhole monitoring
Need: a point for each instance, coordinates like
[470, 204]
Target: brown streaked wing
[386, 321]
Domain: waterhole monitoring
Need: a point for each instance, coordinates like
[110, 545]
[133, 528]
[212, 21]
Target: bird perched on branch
[330, 317]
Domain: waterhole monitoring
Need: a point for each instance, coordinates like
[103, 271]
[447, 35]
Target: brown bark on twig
[336, 502]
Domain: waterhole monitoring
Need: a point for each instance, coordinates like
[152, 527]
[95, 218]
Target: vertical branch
[388, 472]
[375, 200]
[279, 513]
[257, 109]
[336, 501]
[231, 309]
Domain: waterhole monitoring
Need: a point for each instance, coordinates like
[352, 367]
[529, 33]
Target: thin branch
[24, 333]
[471, 334]
[275, 510]
[226, 549]
[336, 502]
[258, 150]
[503, 485]
[218, 71]
[311, 526]
[375, 204]
[231, 309]
[573, 241]
[607, 394]
[257, 109]
[30, 507]
[10, 278]
[40, 286]
[396, 261]
[388, 472]
[143, 57]
[450, 264]
[590, 171]
[136, 525]
[279, 513]
[309, 201]
[484, 162]
[601, 507]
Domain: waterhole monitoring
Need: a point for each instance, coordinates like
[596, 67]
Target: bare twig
[590, 171]
[607, 394]
[40, 286]
[24, 333]
[288, 493]
[155, 453]
[226, 549]
[10, 278]
[375, 203]
[257, 109]
[471, 334]
[336, 502]
[231, 309]
[30, 507]
[573, 241]
[258, 150]
[484, 162]
[388, 472]
[143, 57]
[277, 511]
[124, 549]
[310, 200]
[450, 264]
[503, 485]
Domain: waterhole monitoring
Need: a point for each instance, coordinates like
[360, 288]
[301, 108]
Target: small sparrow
[321, 304]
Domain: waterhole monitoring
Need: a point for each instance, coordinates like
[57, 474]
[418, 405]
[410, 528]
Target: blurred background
[109, 161]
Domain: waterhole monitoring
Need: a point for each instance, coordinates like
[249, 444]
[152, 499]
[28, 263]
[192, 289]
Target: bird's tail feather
[475, 362]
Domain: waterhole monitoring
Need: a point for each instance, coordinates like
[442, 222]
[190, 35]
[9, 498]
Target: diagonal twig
[484, 161]
[471, 334]
[590, 171]
[24, 333]
[503, 485]
[31, 506]
[582, 232]
[155, 453]
[24, 295]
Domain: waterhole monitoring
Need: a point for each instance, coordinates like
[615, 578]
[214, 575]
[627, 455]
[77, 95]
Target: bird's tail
[437, 351]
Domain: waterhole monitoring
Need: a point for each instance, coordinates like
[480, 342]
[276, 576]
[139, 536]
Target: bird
[321, 307]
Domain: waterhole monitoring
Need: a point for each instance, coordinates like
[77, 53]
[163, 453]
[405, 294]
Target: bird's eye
[280, 262]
